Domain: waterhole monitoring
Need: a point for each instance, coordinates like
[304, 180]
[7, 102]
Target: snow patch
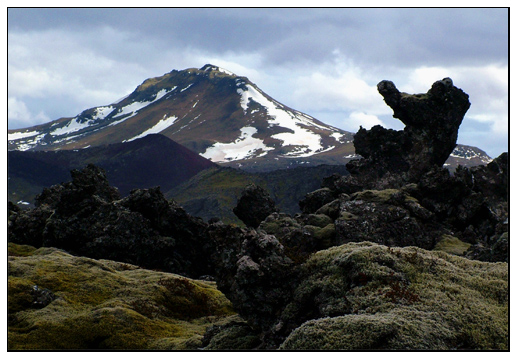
[102, 112]
[30, 143]
[337, 136]
[134, 107]
[19, 135]
[186, 88]
[244, 147]
[73, 126]
[159, 127]
[306, 142]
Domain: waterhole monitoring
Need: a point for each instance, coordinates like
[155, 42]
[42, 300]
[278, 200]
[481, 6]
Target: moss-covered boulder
[452, 245]
[102, 304]
[365, 296]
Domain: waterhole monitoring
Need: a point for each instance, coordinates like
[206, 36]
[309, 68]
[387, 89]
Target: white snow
[337, 136]
[159, 127]
[226, 71]
[102, 112]
[243, 147]
[186, 88]
[30, 143]
[307, 142]
[134, 107]
[18, 135]
[72, 126]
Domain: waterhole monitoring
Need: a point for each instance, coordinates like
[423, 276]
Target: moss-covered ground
[371, 296]
[101, 304]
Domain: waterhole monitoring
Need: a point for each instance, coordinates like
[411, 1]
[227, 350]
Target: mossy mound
[102, 304]
[452, 245]
[365, 296]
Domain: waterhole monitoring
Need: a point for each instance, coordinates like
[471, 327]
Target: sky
[325, 62]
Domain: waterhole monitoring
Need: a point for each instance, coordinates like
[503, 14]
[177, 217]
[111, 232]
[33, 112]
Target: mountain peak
[213, 68]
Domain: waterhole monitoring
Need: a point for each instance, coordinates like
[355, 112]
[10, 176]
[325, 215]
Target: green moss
[19, 250]
[232, 333]
[103, 304]
[324, 236]
[19, 295]
[318, 220]
[380, 196]
[376, 297]
[451, 245]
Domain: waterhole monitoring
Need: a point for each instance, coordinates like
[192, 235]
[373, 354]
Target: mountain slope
[151, 161]
[221, 116]
[215, 191]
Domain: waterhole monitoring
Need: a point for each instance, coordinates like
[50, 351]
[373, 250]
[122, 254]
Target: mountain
[154, 160]
[221, 116]
[467, 156]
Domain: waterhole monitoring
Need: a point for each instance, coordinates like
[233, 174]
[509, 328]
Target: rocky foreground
[399, 255]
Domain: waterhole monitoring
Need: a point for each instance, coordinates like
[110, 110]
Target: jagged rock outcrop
[471, 204]
[393, 158]
[87, 217]
[253, 271]
[254, 205]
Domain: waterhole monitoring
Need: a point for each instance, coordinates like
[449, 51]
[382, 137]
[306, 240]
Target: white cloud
[487, 87]
[364, 120]
[345, 89]
[18, 112]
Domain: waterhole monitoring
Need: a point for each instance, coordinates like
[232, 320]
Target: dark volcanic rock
[388, 217]
[315, 200]
[254, 206]
[87, 217]
[392, 158]
[253, 271]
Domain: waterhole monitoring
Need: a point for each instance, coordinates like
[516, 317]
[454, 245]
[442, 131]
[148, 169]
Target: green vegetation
[376, 297]
[214, 192]
[451, 245]
[103, 304]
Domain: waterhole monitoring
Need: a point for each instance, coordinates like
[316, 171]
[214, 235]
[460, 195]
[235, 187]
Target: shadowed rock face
[254, 206]
[87, 217]
[432, 121]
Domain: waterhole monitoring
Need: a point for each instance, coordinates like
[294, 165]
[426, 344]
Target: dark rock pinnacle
[432, 121]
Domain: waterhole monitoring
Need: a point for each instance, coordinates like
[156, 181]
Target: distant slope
[467, 156]
[151, 161]
[214, 192]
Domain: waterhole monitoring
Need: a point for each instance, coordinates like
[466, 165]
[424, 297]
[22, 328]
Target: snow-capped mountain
[221, 116]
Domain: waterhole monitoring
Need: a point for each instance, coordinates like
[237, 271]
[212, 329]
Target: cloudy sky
[324, 62]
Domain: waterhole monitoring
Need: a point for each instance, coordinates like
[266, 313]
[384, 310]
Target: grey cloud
[128, 45]
[401, 36]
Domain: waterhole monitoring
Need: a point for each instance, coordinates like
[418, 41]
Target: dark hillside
[214, 192]
[147, 162]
